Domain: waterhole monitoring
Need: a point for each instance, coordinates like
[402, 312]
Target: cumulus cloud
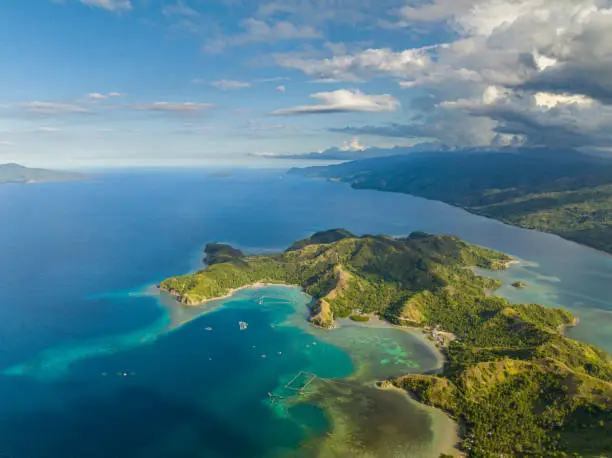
[261, 31]
[583, 65]
[230, 85]
[174, 107]
[574, 122]
[352, 145]
[518, 71]
[110, 5]
[344, 101]
[281, 88]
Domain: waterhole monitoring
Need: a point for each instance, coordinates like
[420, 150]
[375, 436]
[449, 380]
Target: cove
[225, 377]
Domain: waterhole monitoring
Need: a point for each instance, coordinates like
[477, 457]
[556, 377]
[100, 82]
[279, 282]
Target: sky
[180, 82]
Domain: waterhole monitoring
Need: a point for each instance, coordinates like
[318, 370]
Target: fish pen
[301, 381]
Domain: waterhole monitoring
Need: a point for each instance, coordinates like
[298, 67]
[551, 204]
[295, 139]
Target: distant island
[514, 382]
[559, 191]
[15, 173]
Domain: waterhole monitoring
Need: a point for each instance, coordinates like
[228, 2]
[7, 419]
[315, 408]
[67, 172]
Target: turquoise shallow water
[93, 365]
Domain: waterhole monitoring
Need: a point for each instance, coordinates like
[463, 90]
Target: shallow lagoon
[212, 382]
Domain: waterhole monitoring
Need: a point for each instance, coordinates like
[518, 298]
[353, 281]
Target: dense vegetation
[15, 173]
[563, 192]
[517, 384]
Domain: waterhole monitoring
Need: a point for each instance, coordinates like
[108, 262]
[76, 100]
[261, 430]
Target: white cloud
[353, 145]
[100, 96]
[96, 96]
[45, 129]
[516, 70]
[110, 5]
[52, 108]
[259, 31]
[230, 85]
[281, 88]
[548, 100]
[343, 101]
[264, 154]
[174, 107]
[362, 65]
[6, 143]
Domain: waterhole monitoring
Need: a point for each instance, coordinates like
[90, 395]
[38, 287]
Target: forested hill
[515, 382]
[563, 192]
[15, 173]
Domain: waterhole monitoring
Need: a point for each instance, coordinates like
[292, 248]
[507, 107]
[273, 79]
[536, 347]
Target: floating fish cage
[301, 381]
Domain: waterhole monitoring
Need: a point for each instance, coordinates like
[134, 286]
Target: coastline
[564, 327]
[475, 212]
[375, 320]
[445, 429]
[229, 294]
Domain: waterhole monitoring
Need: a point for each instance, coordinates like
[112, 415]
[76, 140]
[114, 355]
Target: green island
[514, 382]
[558, 191]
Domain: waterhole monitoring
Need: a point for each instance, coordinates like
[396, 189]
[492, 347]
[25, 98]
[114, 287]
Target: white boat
[243, 325]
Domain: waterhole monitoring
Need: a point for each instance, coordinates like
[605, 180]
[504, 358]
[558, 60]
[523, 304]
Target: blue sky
[128, 82]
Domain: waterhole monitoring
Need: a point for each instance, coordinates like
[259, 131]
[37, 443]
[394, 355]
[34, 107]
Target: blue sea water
[89, 368]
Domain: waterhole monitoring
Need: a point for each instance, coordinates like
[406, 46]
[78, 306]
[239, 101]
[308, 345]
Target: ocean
[94, 363]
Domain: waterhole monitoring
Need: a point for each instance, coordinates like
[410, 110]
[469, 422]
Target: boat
[243, 325]
[208, 328]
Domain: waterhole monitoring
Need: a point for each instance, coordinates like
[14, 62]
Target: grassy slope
[566, 193]
[519, 386]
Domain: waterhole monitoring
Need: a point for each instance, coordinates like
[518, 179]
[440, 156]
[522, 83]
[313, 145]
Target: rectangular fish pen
[301, 380]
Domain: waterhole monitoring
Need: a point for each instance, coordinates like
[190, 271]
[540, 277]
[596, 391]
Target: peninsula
[517, 385]
[559, 191]
[15, 173]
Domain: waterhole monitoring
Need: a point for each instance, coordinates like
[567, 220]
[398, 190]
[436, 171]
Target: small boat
[243, 325]
[208, 328]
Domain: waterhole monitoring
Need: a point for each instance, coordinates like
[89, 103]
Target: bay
[90, 367]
